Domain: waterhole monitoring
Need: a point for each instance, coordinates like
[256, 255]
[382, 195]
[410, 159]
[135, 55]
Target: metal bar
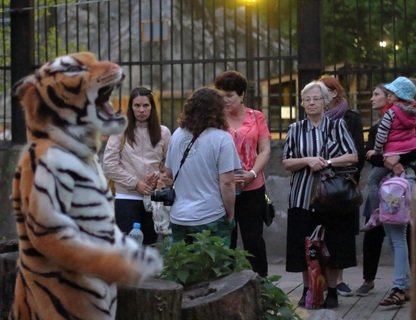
[99, 30]
[66, 26]
[109, 31]
[172, 69]
[55, 24]
[77, 28]
[130, 42]
[151, 46]
[161, 37]
[309, 43]
[22, 59]
[4, 62]
[88, 28]
[182, 84]
[192, 46]
[203, 44]
[235, 34]
[249, 56]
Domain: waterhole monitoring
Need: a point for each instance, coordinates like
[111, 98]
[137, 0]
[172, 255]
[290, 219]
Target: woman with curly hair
[205, 189]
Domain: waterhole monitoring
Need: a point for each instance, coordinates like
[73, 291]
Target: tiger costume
[71, 253]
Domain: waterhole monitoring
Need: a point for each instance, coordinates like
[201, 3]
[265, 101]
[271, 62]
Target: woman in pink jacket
[132, 161]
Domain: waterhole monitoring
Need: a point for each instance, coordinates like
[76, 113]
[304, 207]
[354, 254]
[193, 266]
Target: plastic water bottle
[136, 233]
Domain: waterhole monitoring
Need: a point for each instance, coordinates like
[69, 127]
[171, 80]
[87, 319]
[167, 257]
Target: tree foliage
[355, 31]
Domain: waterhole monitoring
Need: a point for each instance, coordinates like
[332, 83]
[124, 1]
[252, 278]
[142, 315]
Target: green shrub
[275, 302]
[207, 258]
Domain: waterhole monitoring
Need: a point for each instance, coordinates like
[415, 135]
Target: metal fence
[176, 46]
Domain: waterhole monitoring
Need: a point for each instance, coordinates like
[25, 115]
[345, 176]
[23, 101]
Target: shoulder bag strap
[185, 155]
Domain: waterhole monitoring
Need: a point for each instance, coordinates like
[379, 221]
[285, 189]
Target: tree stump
[154, 299]
[234, 297]
[7, 281]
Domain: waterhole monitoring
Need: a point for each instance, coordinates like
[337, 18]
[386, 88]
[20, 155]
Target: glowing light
[383, 44]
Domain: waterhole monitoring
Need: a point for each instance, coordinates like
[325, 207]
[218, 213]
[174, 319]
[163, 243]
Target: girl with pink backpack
[396, 136]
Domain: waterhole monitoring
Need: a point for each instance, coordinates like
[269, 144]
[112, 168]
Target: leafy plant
[275, 302]
[207, 258]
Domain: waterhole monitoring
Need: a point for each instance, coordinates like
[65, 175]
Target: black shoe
[331, 302]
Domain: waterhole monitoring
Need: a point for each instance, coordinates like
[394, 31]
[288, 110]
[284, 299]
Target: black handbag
[336, 189]
[269, 212]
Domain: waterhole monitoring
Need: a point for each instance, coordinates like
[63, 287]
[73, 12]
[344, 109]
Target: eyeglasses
[310, 99]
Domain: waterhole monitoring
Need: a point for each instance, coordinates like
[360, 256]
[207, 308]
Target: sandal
[395, 298]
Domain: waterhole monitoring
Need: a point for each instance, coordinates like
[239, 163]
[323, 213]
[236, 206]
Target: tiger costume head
[67, 101]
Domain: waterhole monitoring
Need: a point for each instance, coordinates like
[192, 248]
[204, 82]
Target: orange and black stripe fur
[71, 253]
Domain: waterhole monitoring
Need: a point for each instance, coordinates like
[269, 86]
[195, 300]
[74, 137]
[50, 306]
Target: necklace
[235, 132]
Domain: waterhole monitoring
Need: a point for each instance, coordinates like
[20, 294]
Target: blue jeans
[374, 179]
[396, 234]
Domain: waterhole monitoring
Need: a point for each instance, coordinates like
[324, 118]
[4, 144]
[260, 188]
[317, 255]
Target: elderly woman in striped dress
[302, 155]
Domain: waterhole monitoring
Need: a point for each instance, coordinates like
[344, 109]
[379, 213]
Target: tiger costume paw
[151, 262]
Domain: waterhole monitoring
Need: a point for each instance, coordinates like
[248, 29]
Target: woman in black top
[338, 109]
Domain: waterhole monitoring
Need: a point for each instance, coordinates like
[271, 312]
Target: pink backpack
[395, 198]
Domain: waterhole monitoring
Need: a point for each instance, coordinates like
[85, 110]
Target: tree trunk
[7, 281]
[153, 299]
[235, 297]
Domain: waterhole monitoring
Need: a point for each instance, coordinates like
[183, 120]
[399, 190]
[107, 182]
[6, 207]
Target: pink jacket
[134, 163]
[402, 135]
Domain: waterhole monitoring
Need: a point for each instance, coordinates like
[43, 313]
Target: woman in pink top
[252, 140]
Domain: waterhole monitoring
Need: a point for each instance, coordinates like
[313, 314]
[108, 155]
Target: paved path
[352, 308]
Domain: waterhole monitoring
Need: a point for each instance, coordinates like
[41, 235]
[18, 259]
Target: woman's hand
[369, 154]
[152, 178]
[316, 163]
[143, 188]
[146, 186]
[243, 178]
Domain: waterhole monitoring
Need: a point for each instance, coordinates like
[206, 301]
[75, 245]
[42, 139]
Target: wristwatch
[329, 163]
[254, 173]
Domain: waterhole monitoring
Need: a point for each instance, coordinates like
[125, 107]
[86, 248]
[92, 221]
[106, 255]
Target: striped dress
[305, 140]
